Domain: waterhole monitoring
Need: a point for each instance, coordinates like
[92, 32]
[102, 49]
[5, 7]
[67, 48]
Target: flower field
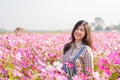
[35, 56]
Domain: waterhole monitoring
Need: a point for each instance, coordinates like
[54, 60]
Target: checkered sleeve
[88, 61]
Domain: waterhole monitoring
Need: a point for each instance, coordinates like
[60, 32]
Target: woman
[79, 51]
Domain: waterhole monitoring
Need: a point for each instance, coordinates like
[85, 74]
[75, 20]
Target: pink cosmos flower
[70, 65]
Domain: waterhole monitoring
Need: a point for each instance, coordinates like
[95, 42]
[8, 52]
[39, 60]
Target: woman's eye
[81, 29]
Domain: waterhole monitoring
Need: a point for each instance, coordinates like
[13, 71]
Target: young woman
[78, 52]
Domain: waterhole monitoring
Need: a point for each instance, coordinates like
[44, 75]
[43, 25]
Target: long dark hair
[87, 40]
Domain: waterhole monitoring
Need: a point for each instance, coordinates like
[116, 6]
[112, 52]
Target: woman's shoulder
[66, 47]
[67, 44]
[88, 48]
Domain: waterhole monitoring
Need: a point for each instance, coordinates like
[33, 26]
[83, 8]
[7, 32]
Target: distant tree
[99, 21]
[112, 27]
[107, 28]
[99, 28]
[98, 24]
[116, 27]
[2, 30]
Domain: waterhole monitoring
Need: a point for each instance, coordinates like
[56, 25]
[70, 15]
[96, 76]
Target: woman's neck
[78, 41]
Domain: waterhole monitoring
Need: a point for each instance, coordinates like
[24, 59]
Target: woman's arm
[88, 62]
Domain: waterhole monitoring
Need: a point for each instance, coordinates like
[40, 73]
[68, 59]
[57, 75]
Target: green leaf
[114, 76]
[95, 68]
[101, 73]
[10, 75]
[10, 65]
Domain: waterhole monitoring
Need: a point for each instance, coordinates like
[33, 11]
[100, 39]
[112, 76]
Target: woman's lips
[77, 35]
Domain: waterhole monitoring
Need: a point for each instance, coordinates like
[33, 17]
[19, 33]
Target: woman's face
[79, 33]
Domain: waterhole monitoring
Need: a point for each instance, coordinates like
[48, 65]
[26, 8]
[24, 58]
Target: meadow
[36, 56]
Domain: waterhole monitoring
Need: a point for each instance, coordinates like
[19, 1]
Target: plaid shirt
[85, 59]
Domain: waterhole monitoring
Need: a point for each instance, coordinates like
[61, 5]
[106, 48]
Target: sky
[56, 14]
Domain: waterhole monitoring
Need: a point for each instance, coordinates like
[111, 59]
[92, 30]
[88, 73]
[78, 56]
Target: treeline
[99, 25]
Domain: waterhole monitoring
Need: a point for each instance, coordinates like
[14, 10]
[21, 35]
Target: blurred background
[58, 15]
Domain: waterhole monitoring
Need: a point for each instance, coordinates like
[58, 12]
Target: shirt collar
[78, 45]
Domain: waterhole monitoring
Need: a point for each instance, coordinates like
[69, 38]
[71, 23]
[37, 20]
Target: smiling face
[79, 33]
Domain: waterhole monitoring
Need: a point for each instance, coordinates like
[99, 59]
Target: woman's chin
[77, 38]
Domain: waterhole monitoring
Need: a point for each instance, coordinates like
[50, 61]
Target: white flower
[18, 56]
[1, 52]
[50, 68]
[58, 65]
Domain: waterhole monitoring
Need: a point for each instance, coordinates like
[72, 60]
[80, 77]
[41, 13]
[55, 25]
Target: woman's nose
[79, 30]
